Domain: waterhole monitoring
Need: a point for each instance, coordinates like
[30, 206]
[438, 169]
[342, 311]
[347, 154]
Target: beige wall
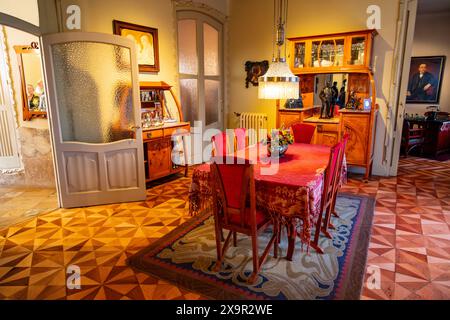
[98, 16]
[431, 39]
[250, 38]
[23, 9]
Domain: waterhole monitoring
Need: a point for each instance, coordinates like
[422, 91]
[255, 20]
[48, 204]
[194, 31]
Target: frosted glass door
[94, 110]
[201, 68]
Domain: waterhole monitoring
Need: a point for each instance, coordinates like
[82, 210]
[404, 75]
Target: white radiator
[256, 125]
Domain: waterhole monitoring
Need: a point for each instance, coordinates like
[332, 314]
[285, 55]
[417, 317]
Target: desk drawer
[152, 134]
[169, 131]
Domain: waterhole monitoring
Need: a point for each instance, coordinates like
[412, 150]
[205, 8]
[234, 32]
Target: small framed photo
[146, 40]
[425, 79]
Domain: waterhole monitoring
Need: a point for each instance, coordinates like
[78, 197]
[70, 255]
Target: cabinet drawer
[287, 119]
[152, 134]
[169, 131]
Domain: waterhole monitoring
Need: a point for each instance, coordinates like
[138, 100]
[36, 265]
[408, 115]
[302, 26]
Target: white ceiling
[433, 6]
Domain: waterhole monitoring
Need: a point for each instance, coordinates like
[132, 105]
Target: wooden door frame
[408, 12]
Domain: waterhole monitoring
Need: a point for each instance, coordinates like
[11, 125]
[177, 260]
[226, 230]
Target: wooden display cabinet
[160, 139]
[348, 53]
[340, 52]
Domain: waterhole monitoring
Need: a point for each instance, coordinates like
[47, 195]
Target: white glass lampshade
[279, 83]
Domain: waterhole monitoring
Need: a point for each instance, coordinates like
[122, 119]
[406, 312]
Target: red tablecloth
[292, 193]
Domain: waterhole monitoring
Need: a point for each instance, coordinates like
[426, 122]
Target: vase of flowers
[278, 142]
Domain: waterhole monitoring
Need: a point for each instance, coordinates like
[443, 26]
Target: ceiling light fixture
[279, 82]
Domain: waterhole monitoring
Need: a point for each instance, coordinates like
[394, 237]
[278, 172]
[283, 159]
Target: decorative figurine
[354, 102]
[341, 99]
[328, 96]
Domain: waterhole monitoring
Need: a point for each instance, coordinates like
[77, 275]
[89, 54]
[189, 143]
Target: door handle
[135, 128]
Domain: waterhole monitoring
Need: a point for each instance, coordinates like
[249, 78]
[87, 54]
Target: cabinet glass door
[358, 47]
[299, 55]
[327, 53]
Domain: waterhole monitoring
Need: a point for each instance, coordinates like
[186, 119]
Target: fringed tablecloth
[291, 192]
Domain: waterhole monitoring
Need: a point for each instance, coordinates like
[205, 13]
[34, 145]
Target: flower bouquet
[278, 142]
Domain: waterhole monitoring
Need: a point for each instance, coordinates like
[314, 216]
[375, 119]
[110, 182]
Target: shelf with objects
[337, 92]
[164, 133]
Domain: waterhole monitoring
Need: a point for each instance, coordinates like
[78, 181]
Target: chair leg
[275, 246]
[234, 239]
[219, 254]
[221, 251]
[333, 206]
[291, 240]
[255, 258]
[326, 223]
[315, 243]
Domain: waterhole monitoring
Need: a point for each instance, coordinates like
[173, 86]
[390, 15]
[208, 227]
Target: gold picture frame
[146, 40]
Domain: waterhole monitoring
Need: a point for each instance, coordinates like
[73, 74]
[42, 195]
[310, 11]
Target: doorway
[201, 69]
[27, 179]
[421, 131]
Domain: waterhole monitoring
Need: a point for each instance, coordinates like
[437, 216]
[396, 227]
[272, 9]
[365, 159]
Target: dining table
[289, 187]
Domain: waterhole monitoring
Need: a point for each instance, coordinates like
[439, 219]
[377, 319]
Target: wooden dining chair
[337, 184]
[220, 144]
[327, 193]
[240, 139]
[303, 133]
[234, 206]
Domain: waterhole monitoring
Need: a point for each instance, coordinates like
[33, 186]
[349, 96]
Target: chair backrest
[232, 185]
[331, 173]
[220, 144]
[240, 139]
[303, 133]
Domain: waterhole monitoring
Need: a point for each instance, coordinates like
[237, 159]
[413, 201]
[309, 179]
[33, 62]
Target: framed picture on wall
[425, 79]
[146, 40]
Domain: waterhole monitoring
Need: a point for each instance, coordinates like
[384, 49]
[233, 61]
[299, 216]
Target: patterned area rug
[187, 255]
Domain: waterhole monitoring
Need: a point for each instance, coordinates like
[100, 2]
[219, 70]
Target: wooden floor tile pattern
[410, 242]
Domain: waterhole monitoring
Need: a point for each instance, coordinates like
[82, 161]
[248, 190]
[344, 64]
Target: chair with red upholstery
[331, 210]
[241, 140]
[234, 206]
[303, 133]
[327, 193]
[220, 144]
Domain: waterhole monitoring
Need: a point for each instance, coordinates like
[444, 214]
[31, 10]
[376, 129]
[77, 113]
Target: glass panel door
[93, 89]
[201, 69]
[94, 108]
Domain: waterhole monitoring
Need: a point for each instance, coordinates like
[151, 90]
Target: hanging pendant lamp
[279, 82]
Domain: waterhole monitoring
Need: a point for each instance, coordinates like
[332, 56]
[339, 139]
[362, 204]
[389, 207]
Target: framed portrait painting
[146, 40]
[425, 79]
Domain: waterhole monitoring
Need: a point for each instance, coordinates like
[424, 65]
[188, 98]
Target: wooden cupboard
[350, 53]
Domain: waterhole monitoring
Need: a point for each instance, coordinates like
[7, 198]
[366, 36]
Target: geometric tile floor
[18, 203]
[410, 242]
